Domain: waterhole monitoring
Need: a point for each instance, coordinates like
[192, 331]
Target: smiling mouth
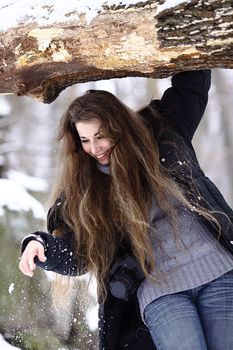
[103, 155]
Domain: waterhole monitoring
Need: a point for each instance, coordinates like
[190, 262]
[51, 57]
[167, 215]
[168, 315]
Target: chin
[104, 162]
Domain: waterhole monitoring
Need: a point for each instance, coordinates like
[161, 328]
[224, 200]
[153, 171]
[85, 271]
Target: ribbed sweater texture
[185, 259]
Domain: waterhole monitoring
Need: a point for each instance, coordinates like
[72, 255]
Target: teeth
[102, 155]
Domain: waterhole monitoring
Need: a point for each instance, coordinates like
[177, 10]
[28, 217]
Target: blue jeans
[196, 319]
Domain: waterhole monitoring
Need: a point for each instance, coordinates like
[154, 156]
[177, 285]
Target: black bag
[138, 339]
[121, 326]
[134, 335]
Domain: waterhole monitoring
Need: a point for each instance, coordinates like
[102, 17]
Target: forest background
[27, 168]
[28, 149]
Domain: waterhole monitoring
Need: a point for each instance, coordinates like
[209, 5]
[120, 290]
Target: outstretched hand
[32, 250]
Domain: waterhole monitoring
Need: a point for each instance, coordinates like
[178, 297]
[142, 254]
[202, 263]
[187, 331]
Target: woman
[130, 183]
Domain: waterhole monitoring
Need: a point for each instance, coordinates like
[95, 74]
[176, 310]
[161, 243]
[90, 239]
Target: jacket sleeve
[60, 251]
[185, 101]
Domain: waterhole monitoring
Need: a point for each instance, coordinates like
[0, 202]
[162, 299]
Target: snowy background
[27, 164]
[27, 169]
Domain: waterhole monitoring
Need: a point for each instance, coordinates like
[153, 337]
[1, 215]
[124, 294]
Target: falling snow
[11, 288]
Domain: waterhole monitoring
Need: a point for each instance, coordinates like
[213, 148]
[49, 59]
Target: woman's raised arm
[186, 100]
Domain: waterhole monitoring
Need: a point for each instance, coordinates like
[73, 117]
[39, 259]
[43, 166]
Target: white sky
[169, 3]
[5, 108]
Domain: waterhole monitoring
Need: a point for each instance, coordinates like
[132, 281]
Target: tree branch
[43, 53]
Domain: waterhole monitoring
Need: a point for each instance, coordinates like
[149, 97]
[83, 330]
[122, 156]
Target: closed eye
[84, 141]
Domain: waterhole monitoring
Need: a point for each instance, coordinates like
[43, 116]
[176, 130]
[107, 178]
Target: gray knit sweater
[186, 262]
[193, 258]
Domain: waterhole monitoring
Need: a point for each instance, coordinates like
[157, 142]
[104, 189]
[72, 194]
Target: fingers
[27, 264]
[41, 253]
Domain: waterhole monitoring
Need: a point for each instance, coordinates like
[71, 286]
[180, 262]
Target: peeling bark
[121, 40]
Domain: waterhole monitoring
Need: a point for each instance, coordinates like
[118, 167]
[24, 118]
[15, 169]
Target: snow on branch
[47, 45]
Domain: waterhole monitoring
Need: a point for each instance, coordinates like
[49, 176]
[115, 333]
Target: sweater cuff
[32, 237]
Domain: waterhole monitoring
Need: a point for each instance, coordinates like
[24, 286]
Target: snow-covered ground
[15, 197]
[30, 183]
[6, 346]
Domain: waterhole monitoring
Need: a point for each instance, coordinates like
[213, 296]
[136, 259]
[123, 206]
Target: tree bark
[42, 54]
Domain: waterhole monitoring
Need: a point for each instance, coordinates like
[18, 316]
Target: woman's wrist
[32, 237]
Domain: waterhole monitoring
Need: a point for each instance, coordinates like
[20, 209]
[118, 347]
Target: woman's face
[93, 141]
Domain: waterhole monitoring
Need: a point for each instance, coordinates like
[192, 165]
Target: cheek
[109, 144]
[85, 148]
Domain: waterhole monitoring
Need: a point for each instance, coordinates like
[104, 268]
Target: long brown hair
[104, 210]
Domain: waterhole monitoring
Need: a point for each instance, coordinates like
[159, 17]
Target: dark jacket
[183, 106]
[185, 103]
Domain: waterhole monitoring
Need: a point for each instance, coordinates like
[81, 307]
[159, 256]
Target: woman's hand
[27, 264]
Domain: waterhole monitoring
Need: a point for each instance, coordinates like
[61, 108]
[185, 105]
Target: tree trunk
[44, 49]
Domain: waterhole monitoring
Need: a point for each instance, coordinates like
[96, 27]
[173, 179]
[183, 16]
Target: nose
[94, 148]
